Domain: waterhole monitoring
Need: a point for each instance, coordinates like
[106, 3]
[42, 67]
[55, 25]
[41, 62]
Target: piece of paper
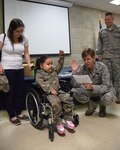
[82, 79]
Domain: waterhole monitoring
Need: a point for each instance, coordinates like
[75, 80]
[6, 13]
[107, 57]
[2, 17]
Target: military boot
[91, 107]
[102, 111]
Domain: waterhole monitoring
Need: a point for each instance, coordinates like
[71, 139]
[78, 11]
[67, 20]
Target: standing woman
[15, 44]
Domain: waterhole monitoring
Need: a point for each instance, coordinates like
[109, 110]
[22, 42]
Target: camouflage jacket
[100, 77]
[109, 42]
[49, 81]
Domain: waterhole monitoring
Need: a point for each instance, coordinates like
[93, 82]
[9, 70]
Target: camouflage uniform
[109, 47]
[4, 84]
[49, 81]
[101, 85]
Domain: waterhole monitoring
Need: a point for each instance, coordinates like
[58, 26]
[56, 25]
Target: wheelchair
[39, 108]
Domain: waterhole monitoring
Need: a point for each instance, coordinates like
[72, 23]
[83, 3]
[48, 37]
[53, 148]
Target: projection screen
[46, 26]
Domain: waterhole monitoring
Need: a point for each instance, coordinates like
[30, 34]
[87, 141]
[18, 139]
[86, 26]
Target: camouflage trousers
[62, 103]
[114, 69]
[83, 96]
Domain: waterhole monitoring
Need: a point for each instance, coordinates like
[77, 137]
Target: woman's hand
[74, 65]
[1, 70]
[30, 66]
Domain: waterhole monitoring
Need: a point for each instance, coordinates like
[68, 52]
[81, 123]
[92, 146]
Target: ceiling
[97, 4]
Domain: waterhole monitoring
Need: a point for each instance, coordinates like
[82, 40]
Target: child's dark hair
[41, 60]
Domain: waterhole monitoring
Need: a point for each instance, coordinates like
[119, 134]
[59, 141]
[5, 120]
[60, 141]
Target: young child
[47, 78]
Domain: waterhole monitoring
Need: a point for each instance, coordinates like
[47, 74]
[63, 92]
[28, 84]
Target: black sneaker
[15, 121]
[23, 117]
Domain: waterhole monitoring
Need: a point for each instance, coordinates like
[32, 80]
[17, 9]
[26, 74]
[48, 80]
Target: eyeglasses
[19, 31]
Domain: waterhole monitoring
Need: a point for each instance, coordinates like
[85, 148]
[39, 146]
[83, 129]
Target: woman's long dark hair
[14, 24]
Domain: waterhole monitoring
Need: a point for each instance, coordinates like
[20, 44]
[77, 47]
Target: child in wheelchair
[61, 102]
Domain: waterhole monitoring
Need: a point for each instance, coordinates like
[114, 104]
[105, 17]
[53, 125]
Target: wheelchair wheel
[76, 120]
[51, 132]
[34, 108]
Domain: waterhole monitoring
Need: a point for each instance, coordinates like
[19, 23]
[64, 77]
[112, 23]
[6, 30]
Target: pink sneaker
[69, 124]
[60, 129]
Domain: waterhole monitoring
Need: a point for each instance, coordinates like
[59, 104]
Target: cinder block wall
[84, 28]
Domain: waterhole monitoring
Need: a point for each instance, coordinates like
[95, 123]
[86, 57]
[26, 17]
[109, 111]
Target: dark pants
[14, 98]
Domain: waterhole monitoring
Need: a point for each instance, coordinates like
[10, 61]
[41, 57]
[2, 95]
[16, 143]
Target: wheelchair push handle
[33, 68]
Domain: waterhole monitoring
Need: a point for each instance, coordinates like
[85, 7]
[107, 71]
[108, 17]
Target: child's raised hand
[61, 52]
